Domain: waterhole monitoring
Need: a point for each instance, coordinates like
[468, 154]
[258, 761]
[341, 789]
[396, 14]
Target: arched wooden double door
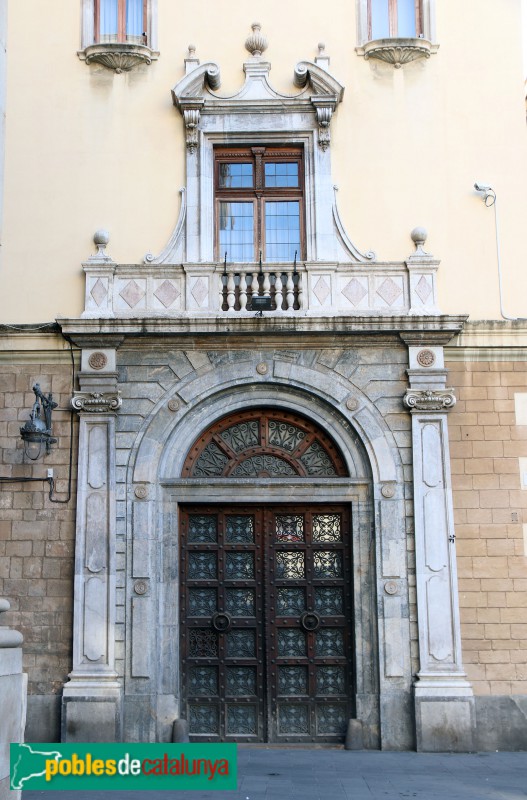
[266, 598]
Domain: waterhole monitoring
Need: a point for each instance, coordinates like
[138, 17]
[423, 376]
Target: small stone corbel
[191, 118]
[324, 113]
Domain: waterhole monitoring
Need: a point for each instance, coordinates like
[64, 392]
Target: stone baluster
[254, 285]
[243, 291]
[290, 290]
[300, 291]
[231, 291]
[222, 288]
[279, 295]
[267, 283]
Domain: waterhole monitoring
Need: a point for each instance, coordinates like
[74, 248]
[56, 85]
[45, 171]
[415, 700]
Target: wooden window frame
[121, 21]
[392, 18]
[259, 193]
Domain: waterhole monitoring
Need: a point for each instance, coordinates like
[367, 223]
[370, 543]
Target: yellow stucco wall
[86, 148]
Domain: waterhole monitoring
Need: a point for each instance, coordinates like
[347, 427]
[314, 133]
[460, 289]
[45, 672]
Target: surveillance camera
[482, 187]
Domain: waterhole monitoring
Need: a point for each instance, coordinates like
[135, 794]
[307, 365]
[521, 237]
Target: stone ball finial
[101, 238]
[256, 43]
[419, 236]
[321, 47]
[191, 50]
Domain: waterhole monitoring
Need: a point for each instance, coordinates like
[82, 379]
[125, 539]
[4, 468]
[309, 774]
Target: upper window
[394, 18]
[119, 34]
[121, 21]
[259, 203]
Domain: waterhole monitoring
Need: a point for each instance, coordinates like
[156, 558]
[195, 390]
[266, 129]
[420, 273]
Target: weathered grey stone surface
[445, 724]
[90, 720]
[43, 718]
[13, 695]
[501, 723]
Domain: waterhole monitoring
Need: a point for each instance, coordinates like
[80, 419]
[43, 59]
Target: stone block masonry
[37, 539]
[490, 506]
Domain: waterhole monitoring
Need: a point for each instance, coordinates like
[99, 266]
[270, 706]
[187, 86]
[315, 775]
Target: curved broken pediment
[196, 93]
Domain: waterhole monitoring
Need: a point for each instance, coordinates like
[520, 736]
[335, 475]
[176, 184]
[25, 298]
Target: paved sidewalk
[266, 773]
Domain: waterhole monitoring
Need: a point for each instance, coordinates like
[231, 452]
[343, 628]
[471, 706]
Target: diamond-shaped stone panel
[423, 289]
[389, 291]
[99, 291]
[132, 293]
[167, 293]
[321, 290]
[200, 291]
[354, 291]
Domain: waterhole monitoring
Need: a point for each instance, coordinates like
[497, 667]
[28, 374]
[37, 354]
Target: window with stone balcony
[119, 34]
[396, 31]
[259, 203]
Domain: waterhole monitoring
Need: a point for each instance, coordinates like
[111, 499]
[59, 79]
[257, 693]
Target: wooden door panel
[309, 626]
[266, 633]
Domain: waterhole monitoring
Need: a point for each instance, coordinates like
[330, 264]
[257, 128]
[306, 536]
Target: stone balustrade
[393, 288]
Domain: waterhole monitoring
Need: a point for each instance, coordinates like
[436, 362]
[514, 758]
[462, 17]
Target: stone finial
[191, 60]
[256, 43]
[322, 58]
[418, 236]
[101, 237]
[9, 637]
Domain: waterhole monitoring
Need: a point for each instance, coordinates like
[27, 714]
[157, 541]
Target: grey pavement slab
[269, 773]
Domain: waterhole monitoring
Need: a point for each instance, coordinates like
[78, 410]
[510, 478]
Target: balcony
[319, 288]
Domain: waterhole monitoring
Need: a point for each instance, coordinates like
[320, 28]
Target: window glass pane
[236, 176]
[108, 22]
[282, 230]
[134, 21]
[281, 174]
[380, 25]
[237, 231]
[406, 18]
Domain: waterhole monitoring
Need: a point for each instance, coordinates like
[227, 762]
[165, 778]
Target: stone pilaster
[444, 700]
[94, 679]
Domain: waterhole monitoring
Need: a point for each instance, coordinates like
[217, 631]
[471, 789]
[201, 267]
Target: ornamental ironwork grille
[264, 443]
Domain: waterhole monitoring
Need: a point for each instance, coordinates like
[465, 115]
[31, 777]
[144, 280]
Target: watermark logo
[123, 766]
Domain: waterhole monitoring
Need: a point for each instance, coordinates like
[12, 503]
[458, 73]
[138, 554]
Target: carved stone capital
[96, 402]
[429, 399]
